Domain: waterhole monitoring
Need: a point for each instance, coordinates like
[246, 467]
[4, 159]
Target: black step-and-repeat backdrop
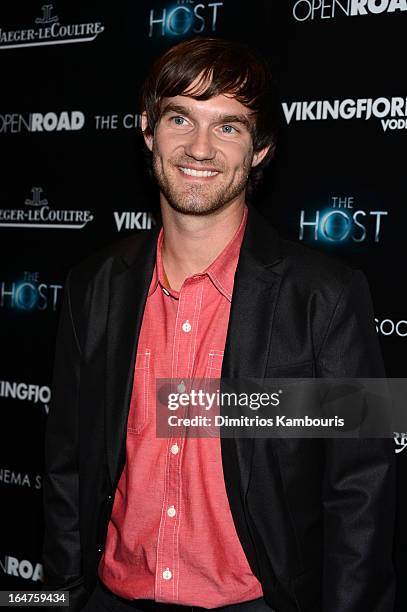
[73, 181]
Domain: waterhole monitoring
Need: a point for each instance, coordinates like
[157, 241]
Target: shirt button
[167, 575]
[186, 326]
[171, 511]
[174, 449]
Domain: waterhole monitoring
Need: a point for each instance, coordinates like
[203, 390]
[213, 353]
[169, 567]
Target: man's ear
[148, 138]
[259, 156]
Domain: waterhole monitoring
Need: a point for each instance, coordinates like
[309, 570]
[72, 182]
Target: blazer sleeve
[359, 477]
[62, 546]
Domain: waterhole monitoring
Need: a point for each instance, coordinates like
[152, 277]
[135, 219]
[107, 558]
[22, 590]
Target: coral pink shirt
[171, 536]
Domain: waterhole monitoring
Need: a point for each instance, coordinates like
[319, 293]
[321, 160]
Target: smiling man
[134, 521]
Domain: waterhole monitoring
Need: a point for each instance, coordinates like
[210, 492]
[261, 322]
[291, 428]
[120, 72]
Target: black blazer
[314, 517]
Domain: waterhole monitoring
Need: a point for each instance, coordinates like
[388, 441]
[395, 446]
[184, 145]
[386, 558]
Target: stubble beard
[198, 198]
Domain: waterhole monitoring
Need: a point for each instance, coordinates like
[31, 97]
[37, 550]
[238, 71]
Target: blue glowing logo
[29, 294]
[341, 225]
[183, 19]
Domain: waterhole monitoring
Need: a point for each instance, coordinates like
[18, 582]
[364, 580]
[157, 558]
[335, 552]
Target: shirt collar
[221, 271]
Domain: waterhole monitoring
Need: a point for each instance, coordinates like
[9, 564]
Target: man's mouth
[198, 173]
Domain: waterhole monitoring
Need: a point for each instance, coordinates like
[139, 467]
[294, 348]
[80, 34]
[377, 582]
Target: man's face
[202, 152]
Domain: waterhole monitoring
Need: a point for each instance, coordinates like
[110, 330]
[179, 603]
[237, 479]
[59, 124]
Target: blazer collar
[261, 243]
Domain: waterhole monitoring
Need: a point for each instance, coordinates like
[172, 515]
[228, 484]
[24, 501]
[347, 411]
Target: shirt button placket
[180, 367]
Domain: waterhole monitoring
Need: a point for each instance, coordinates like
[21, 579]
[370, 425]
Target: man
[137, 521]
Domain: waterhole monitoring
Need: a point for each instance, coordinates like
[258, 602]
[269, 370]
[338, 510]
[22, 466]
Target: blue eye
[228, 129]
[178, 120]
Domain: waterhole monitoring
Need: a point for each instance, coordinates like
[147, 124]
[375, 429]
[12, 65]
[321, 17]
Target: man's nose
[199, 145]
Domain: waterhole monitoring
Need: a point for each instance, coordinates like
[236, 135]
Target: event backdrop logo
[400, 440]
[128, 121]
[22, 568]
[26, 392]
[48, 30]
[392, 112]
[29, 294]
[131, 220]
[184, 18]
[20, 479]
[37, 214]
[340, 222]
[65, 121]
[304, 10]
[388, 327]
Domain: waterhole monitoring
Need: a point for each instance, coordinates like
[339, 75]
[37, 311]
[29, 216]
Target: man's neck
[192, 243]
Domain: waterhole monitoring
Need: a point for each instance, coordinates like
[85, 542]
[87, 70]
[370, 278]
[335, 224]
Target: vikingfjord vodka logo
[37, 214]
[343, 221]
[131, 220]
[392, 112]
[26, 392]
[308, 10]
[184, 18]
[48, 30]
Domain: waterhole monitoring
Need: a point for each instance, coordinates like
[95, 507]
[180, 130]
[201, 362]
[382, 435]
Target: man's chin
[195, 208]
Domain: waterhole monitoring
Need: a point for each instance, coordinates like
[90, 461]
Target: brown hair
[224, 67]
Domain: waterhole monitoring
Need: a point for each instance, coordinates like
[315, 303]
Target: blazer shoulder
[116, 256]
[315, 268]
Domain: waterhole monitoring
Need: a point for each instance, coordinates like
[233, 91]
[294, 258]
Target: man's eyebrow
[175, 108]
[184, 110]
[244, 119]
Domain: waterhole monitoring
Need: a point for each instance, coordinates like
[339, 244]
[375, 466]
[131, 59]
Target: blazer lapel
[255, 293]
[128, 293]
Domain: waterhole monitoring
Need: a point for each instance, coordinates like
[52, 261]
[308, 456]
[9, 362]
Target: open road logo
[64, 121]
[48, 30]
[21, 568]
[304, 10]
[39, 215]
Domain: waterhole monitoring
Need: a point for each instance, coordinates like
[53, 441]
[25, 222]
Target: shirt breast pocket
[140, 400]
[214, 364]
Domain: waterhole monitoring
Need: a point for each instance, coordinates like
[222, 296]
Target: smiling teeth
[192, 172]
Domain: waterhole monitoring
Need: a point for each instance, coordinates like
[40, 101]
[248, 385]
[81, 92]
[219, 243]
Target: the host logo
[401, 441]
[20, 479]
[22, 569]
[329, 9]
[49, 32]
[186, 17]
[14, 123]
[38, 215]
[29, 294]
[341, 223]
[134, 220]
[392, 112]
[26, 392]
[387, 327]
